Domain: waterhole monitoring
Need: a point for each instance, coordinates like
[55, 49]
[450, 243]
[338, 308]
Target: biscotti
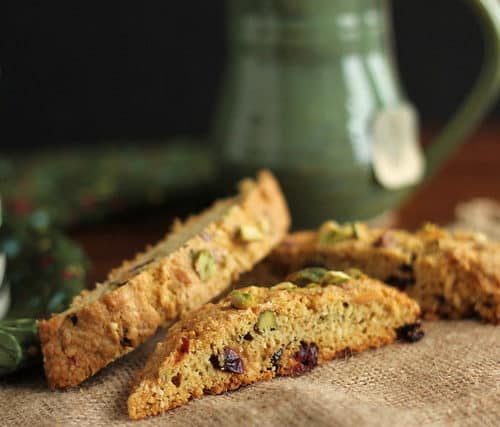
[450, 274]
[257, 333]
[193, 264]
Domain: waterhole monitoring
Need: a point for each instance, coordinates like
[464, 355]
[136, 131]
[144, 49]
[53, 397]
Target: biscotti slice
[257, 333]
[192, 265]
[450, 274]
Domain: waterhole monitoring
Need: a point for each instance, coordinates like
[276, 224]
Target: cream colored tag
[398, 160]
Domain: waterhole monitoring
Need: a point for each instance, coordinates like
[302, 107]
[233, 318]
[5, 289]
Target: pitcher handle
[482, 95]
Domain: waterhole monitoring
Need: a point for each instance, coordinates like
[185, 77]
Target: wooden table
[473, 172]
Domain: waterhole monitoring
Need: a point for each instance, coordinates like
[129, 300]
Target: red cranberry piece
[385, 240]
[231, 361]
[184, 348]
[307, 356]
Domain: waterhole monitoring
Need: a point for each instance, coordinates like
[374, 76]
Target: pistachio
[241, 299]
[335, 278]
[204, 264]
[359, 230]
[284, 286]
[355, 273]
[331, 232]
[250, 233]
[313, 286]
[266, 322]
[307, 276]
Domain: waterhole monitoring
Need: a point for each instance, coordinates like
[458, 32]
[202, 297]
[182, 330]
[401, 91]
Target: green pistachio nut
[359, 230]
[331, 232]
[313, 286]
[266, 322]
[355, 273]
[241, 300]
[285, 286]
[335, 278]
[204, 264]
[307, 275]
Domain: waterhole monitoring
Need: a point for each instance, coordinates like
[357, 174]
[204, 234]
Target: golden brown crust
[192, 265]
[219, 347]
[450, 274]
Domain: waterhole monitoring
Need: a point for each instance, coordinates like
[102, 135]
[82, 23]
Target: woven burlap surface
[450, 377]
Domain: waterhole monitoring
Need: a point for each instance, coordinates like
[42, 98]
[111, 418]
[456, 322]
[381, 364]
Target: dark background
[87, 71]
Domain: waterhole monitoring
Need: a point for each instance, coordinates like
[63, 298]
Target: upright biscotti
[450, 274]
[193, 264]
[257, 333]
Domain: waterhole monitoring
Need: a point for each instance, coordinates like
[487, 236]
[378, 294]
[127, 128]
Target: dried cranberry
[307, 356]
[411, 332]
[276, 357]
[488, 304]
[406, 268]
[177, 380]
[125, 341]
[184, 348]
[232, 361]
[400, 282]
[73, 318]
[214, 360]
[440, 299]
[385, 240]
[248, 337]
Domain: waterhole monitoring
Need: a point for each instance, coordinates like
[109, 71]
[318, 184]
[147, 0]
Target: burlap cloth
[451, 377]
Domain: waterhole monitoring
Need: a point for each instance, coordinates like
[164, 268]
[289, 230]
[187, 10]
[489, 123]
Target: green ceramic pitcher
[312, 93]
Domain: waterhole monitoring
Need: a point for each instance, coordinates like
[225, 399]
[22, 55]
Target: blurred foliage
[44, 268]
[88, 184]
